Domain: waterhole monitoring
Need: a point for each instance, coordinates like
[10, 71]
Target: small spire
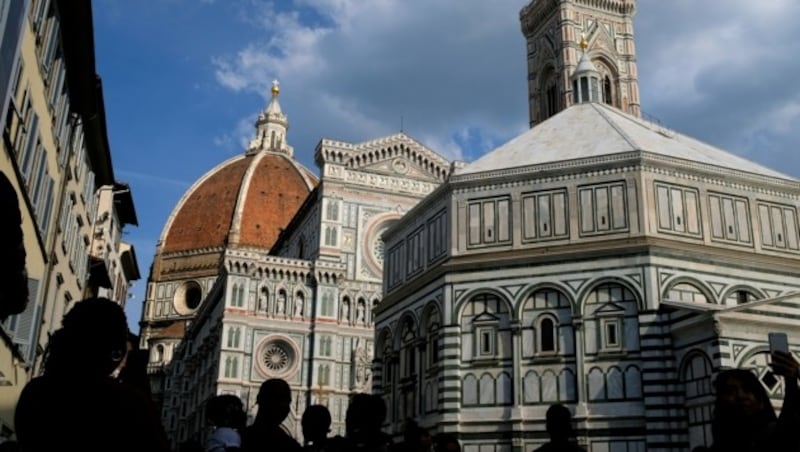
[584, 43]
[276, 89]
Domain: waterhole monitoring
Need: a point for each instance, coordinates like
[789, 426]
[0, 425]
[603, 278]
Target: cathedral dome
[245, 200]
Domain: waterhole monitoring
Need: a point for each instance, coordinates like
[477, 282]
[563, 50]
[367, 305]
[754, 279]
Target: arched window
[608, 96]
[231, 336]
[235, 368]
[324, 375]
[330, 235]
[228, 367]
[547, 335]
[234, 294]
[550, 104]
[332, 212]
[159, 353]
[237, 337]
[327, 304]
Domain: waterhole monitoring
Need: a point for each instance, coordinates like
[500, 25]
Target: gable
[485, 317]
[401, 167]
[610, 309]
[400, 156]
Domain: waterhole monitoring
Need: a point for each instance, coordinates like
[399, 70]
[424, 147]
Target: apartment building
[57, 158]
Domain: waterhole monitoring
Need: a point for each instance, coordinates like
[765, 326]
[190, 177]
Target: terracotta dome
[245, 200]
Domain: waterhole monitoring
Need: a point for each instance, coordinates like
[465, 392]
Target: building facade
[55, 156]
[292, 298]
[597, 260]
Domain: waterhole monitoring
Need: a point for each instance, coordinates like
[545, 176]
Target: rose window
[378, 248]
[276, 358]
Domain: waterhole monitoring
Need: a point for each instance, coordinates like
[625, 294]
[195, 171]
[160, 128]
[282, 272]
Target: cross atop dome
[271, 127]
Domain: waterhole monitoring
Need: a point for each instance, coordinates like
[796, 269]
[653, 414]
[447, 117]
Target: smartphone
[778, 342]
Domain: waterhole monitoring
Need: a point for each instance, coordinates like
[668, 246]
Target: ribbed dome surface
[243, 201]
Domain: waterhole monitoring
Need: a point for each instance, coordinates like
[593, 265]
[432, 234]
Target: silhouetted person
[13, 276]
[76, 404]
[9, 446]
[227, 416]
[445, 442]
[744, 419]
[316, 426]
[274, 403]
[559, 427]
[415, 438]
[363, 421]
[133, 370]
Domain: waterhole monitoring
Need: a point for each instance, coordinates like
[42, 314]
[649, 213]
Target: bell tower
[555, 32]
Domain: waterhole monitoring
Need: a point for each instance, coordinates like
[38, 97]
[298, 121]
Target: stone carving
[360, 312]
[298, 307]
[281, 303]
[345, 311]
[262, 301]
[361, 365]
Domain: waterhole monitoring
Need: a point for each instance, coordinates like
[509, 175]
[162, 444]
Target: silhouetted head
[742, 406]
[446, 442]
[226, 410]
[316, 423]
[365, 415]
[559, 422]
[91, 342]
[13, 276]
[274, 401]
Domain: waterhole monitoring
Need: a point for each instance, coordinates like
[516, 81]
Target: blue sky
[184, 80]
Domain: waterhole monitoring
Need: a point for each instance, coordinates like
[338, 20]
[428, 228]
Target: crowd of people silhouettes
[94, 395]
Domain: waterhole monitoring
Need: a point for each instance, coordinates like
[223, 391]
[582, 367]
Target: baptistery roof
[598, 131]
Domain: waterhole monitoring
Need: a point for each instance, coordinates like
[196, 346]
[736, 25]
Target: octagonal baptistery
[243, 202]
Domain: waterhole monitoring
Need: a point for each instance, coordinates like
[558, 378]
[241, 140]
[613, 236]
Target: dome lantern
[586, 79]
[271, 127]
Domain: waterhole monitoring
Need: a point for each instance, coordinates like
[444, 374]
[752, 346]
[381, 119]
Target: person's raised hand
[785, 365]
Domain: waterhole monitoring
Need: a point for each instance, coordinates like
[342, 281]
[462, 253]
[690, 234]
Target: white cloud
[457, 69]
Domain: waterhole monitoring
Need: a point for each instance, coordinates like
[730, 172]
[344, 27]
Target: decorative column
[517, 417]
[582, 407]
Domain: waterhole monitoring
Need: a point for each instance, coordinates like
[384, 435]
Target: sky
[184, 80]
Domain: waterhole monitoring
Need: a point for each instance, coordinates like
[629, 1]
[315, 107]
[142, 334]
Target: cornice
[625, 162]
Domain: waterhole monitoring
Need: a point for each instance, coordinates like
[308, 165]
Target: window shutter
[27, 324]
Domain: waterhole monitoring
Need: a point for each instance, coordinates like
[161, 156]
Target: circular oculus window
[188, 297]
